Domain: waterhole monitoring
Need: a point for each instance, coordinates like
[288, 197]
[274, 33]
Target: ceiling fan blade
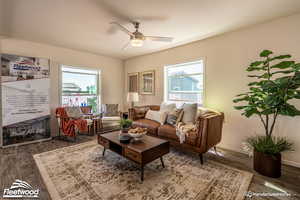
[122, 28]
[160, 39]
[113, 9]
[126, 46]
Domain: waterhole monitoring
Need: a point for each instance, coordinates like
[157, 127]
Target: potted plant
[277, 82]
[125, 124]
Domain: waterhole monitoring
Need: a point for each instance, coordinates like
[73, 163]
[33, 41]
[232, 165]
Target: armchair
[110, 117]
[95, 117]
[74, 120]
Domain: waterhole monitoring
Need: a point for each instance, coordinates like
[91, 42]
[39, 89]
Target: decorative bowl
[137, 133]
[137, 136]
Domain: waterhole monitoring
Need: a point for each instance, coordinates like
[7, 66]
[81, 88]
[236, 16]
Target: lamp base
[132, 104]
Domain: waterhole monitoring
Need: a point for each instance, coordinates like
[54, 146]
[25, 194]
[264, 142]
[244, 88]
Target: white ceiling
[84, 24]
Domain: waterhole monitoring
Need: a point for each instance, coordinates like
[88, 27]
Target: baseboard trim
[286, 162]
[291, 163]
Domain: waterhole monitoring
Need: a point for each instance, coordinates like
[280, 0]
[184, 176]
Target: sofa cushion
[157, 116]
[174, 116]
[189, 112]
[151, 125]
[167, 107]
[168, 131]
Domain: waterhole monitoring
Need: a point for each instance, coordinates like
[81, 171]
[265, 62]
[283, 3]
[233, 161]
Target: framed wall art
[147, 82]
[133, 82]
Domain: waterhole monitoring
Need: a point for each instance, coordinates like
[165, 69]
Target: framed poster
[147, 82]
[25, 94]
[133, 82]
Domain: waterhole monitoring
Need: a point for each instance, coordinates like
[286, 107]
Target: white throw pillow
[158, 116]
[167, 107]
[189, 112]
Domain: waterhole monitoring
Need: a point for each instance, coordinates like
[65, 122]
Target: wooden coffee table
[140, 152]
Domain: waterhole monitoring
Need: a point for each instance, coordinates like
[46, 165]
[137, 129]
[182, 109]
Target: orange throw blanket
[68, 125]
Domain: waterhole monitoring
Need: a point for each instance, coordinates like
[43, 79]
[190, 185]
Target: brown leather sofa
[208, 134]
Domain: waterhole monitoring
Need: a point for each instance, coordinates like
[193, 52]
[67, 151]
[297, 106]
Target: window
[184, 82]
[80, 87]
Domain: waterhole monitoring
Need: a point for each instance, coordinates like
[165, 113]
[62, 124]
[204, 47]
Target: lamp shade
[132, 97]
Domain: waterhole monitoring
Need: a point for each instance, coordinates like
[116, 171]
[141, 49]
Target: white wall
[226, 58]
[111, 68]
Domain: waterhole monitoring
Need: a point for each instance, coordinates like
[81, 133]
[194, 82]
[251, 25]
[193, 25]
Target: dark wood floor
[18, 163]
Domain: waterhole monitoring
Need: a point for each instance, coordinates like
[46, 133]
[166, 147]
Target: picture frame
[133, 82]
[147, 85]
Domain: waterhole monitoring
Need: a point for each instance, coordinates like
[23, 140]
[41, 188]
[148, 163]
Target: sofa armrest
[139, 112]
[209, 129]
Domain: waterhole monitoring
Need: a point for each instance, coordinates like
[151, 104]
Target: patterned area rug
[80, 172]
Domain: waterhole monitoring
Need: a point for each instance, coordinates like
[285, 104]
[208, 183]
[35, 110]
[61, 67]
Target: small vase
[267, 165]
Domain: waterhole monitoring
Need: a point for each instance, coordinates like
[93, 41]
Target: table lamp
[132, 97]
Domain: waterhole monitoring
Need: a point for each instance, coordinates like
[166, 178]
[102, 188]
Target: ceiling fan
[137, 38]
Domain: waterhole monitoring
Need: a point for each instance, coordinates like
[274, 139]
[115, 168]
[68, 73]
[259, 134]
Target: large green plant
[277, 82]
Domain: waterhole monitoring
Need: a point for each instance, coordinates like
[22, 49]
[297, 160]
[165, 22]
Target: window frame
[166, 83]
[98, 82]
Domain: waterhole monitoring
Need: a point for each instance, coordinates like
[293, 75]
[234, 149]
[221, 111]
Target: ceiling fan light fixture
[135, 42]
[137, 38]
